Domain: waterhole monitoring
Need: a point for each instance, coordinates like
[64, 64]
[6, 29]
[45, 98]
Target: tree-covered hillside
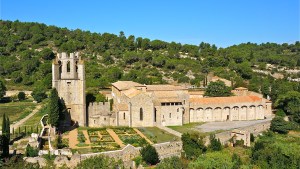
[26, 51]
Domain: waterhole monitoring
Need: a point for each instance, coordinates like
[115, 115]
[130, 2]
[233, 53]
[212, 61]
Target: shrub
[280, 113]
[21, 96]
[173, 162]
[31, 152]
[279, 125]
[239, 143]
[215, 144]
[252, 138]
[38, 95]
[138, 160]
[149, 155]
[193, 145]
[100, 162]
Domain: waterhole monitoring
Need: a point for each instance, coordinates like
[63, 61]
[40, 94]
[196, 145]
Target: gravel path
[115, 137]
[228, 125]
[19, 123]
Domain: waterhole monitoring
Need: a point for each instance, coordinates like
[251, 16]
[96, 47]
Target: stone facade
[167, 105]
[68, 77]
[140, 105]
[241, 135]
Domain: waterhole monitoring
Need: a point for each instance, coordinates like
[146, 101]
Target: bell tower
[68, 77]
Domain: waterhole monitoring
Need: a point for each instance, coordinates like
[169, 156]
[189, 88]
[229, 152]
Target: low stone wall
[129, 152]
[168, 149]
[10, 93]
[255, 129]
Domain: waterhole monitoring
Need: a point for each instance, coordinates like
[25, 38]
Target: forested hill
[26, 51]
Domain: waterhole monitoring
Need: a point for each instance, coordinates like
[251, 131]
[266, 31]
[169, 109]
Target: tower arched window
[141, 114]
[76, 67]
[68, 66]
[59, 69]
[124, 116]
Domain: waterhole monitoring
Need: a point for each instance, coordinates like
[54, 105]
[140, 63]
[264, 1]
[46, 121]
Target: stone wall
[255, 129]
[129, 152]
[11, 93]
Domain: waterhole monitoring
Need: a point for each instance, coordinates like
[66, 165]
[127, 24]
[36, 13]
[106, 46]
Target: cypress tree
[54, 108]
[5, 136]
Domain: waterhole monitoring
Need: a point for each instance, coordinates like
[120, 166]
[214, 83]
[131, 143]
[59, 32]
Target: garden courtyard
[92, 140]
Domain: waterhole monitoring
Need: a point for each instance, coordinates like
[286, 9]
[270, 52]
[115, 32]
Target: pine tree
[54, 108]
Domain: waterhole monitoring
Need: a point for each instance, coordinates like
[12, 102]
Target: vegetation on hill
[26, 51]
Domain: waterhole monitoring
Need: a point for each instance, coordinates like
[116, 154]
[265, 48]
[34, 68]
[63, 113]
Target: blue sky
[220, 22]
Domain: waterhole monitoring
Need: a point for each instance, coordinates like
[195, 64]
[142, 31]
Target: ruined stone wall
[255, 129]
[129, 152]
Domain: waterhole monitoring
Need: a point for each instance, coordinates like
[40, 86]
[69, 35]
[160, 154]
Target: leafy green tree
[217, 89]
[211, 160]
[100, 162]
[172, 162]
[236, 160]
[38, 94]
[149, 155]
[215, 144]
[5, 136]
[2, 89]
[21, 96]
[47, 54]
[54, 108]
[279, 125]
[290, 102]
[192, 145]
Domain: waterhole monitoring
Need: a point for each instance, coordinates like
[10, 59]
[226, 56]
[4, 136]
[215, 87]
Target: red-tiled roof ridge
[230, 99]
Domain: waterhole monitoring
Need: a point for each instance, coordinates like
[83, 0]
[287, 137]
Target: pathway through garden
[20, 122]
[115, 137]
[142, 135]
[86, 135]
[72, 136]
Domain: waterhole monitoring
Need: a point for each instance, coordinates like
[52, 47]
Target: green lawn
[35, 119]
[16, 110]
[157, 135]
[186, 128]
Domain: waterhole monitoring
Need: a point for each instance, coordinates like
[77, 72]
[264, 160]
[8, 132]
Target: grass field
[186, 128]
[16, 110]
[35, 119]
[157, 135]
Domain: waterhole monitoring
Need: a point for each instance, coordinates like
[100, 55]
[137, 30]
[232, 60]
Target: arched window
[141, 114]
[68, 66]
[76, 67]
[59, 69]
[124, 116]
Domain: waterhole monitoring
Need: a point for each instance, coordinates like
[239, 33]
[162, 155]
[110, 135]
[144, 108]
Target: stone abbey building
[139, 105]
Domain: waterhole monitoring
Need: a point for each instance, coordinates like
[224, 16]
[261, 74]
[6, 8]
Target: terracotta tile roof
[122, 107]
[124, 85]
[220, 100]
[168, 100]
[164, 87]
[165, 94]
[131, 92]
